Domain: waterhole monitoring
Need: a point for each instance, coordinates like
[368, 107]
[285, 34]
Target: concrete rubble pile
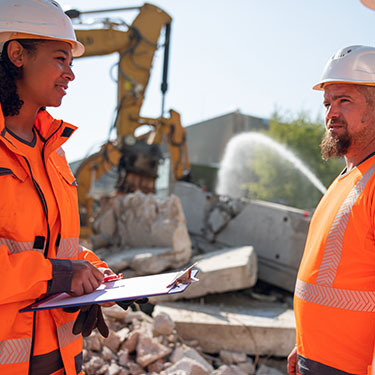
[139, 344]
[236, 244]
[143, 234]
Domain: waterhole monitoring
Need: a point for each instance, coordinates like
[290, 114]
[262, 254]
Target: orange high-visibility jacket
[25, 267]
[335, 291]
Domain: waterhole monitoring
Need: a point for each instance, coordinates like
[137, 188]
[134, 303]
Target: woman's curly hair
[9, 74]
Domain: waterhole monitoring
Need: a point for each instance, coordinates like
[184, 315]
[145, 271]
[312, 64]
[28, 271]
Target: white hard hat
[354, 64]
[369, 4]
[36, 19]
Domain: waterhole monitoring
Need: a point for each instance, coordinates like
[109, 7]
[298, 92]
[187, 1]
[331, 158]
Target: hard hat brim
[78, 48]
[320, 85]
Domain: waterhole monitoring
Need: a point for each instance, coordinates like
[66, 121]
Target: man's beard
[335, 146]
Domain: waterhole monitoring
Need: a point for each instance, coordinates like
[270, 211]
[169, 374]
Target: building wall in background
[207, 141]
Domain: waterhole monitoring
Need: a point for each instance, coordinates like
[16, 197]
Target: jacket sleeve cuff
[62, 273]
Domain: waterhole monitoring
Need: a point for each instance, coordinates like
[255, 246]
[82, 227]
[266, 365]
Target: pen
[112, 278]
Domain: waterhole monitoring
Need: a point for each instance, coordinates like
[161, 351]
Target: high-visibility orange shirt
[335, 291]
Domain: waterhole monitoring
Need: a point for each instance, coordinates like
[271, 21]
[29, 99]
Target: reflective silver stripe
[14, 351]
[60, 152]
[333, 297]
[68, 248]
[17, 246]
[333, 250]
[65, 334]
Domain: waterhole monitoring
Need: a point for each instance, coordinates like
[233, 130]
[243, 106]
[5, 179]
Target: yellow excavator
[136, 158]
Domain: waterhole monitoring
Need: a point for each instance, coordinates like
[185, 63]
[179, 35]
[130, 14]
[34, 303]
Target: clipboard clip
[184, 277]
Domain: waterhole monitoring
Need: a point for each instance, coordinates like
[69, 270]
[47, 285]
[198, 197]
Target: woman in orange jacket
[39, 220]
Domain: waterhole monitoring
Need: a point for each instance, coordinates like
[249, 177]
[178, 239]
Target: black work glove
[125, 304]
[89, 318]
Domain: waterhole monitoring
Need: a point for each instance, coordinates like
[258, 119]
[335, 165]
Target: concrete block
[149, 350]
[247, 367]
[219, 272]
[184, 351]
[145, 222]
[135, 368]
[146, 261]
[189, 367]
[92, 343]
[278, 234]
[112, 342]
[94, 364]
[258, 329]
[230, 358]
[107, 354]
[156, 367]
[193, 200]
[229, 370]
[106, 222]
[265, 370]
[218, 219]
[123, 357]
[163, 325]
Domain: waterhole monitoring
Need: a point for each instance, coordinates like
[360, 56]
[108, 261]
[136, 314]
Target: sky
[255, 56]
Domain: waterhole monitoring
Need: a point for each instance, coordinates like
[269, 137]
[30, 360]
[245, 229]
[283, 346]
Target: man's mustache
[335, 121]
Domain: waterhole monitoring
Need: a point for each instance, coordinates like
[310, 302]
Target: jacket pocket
[62, 167]
[13, 173]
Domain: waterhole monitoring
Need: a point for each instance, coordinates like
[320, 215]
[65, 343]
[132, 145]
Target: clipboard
[122, 290]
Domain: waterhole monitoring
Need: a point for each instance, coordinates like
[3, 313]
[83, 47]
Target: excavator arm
[136, 48]
[136, 158]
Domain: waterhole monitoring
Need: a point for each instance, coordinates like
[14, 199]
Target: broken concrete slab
[277, 232]
[219, 272]
[147, 261]
[256, 329]
[144, 261]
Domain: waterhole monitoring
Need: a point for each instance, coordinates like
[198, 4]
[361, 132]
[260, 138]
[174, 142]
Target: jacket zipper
[45, 208]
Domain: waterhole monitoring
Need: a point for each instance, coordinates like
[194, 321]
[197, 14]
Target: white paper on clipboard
[120, 290]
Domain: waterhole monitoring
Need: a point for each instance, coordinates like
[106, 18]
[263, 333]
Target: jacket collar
[49, 128]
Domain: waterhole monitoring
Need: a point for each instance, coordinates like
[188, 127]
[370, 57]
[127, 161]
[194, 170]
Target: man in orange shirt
[334, 300]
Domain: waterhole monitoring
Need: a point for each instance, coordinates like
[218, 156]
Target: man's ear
[16, 53]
